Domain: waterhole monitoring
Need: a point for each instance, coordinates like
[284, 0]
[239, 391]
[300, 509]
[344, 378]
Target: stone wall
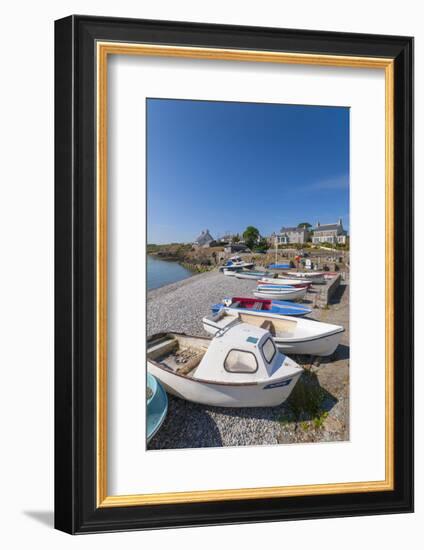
[324, 293]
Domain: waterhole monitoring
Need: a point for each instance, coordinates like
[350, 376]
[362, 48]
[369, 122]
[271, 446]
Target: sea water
[162, 272]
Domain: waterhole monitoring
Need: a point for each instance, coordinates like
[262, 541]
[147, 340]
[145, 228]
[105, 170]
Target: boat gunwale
[294, 341]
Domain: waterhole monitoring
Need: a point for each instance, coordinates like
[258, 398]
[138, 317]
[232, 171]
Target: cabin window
[240, 361]
[269, 351]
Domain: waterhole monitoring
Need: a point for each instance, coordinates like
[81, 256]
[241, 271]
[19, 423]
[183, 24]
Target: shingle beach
[180, 307]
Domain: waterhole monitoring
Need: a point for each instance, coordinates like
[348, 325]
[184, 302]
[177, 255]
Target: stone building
[329, 233]
[291, 235]
[204, 240]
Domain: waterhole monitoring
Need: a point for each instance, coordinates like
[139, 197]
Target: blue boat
[278, 266]
[259, 305]
[157, 406]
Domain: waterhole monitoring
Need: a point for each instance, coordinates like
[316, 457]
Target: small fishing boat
[292, 336]
[278, 266]
[275, 292]
[256, 275]
[278, 280]
[267, 308]
[157, 406]
[236, 262]
[239, 367]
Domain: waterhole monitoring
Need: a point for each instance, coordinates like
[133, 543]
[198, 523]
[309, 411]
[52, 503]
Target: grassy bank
[194, 259]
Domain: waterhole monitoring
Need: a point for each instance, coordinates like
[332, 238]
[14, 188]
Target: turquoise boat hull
[157, 406]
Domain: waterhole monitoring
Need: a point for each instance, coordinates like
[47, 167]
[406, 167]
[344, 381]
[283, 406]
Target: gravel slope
[180, 307]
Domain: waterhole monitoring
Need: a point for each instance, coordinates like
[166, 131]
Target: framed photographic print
[234, 274]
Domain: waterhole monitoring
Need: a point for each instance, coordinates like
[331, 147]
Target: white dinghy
[240, 367]
[291, 335]
[231, 272]
[272, 292]
[284, 281]
[316, 277]
[255, 275]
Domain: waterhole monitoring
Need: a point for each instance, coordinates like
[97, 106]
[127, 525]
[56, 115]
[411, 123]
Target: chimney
[340, 221]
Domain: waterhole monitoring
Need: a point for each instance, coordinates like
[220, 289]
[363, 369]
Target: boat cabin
[242, 353]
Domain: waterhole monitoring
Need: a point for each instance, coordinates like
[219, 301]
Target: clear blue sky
[223, 166]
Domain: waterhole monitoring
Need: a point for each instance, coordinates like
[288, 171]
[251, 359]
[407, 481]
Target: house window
[240, 361]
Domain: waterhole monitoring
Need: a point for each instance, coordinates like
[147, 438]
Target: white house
[204, 240]
[329, 233]
[290, 235]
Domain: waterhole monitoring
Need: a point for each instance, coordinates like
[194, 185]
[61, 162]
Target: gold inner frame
[104, 49]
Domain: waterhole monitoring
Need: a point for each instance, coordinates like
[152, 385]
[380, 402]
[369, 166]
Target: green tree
[251, 236]
[236, 238]
[262, 246]
[308, 227]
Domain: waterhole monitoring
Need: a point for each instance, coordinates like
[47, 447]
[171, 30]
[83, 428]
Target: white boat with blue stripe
[239, 367]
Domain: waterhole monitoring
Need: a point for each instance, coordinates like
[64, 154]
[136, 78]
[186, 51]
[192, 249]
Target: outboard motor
[227, 302]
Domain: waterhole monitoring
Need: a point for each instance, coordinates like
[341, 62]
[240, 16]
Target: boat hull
[254, 276]
[262, 394]
[230, 272]
[157, 407]
[316, 278]
[283, 294]
[321, 345]
[277, 281]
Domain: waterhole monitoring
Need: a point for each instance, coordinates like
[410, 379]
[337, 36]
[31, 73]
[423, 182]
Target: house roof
[204, 237]
[290, 229]
[327, 227]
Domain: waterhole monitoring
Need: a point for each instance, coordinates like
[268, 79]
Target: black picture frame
[76, 510]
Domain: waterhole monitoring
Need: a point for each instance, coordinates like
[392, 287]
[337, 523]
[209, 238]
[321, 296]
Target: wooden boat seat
[257, 306]
[190, 365]
[163, 347]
